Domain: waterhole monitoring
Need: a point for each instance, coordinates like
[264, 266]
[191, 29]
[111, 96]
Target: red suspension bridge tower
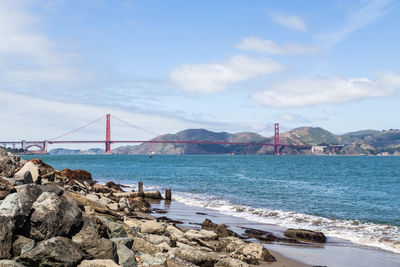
[276, 139]
[108, 135]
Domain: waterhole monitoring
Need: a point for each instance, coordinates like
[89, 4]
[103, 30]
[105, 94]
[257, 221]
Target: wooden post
[140, 190]
[168, 194]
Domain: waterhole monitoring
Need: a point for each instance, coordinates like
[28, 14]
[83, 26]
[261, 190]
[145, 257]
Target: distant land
[365, 142]
[64, 151]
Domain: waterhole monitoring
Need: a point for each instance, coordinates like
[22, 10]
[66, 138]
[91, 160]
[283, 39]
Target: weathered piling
[168, 195]
[140, 186]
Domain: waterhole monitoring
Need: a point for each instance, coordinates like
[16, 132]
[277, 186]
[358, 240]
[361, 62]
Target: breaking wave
[382, 236]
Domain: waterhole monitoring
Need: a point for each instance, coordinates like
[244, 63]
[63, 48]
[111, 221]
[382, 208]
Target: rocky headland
[64, 218]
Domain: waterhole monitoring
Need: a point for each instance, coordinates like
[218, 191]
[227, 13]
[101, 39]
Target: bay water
[347, 197]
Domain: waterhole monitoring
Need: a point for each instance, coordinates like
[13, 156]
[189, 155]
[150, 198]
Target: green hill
[360, 142]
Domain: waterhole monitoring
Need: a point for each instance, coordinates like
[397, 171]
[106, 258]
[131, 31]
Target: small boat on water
[151, 154]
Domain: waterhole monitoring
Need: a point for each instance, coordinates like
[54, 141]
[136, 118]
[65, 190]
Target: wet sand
[336, 252]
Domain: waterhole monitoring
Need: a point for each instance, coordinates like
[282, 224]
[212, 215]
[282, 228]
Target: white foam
[382, 236]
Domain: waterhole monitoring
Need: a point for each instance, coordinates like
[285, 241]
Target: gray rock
[229, 244]
[98, 263]
[195, 256]
[178, 263]
[302, 234]
[231, 262]
[54, 216]
[256, 250]
[148, 260]
[32, 168]
[152, 227]
[141, 245]
[6, 187]
[19, 242]
[126, 257]
[28, 247]
[126, 241]
[90, 241]
[9, 163]
[124, 204]
[56, 251]
[116, 229]
[158, 239]
[6, 230]
[10, 263]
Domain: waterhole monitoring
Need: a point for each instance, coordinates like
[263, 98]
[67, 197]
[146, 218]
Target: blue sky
[222, 65]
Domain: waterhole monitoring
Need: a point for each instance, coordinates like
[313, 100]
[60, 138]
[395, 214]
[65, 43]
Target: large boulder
[115, 229]
[6, 232]
[32, 168]
[196, 257]
[91, 239]
[114, 187]
[20, 242]
[257, 251]
[229, 244]
[81, 176]
[141, 245]
[139, 204]
[126, 257]
[126, 241]
[302, 234]
[9, 163]
[152, 227]
[25, 179]
[87, 203]
[6, 188]
[56, 251]
[208, 225]
[54, 216]
[220, 229]
[174, 232]
[14, 207]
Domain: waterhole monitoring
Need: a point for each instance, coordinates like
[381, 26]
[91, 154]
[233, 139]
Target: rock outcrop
[64, 219]
[306, 235]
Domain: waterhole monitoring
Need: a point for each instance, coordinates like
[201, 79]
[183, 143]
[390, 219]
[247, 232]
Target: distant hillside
[309, 136]
[361, 142]
[63, 151]
[372, 142]
[195, 134]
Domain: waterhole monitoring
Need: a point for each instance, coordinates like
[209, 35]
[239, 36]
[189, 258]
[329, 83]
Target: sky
[227, 65]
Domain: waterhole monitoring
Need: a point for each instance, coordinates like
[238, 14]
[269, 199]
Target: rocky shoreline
[64, 218]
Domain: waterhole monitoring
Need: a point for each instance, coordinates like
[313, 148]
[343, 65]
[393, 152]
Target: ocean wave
[382, 236]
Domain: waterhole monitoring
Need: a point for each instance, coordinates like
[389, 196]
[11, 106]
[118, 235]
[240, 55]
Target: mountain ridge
[368, 142]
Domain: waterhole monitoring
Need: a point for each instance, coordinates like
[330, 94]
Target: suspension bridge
[42, 146]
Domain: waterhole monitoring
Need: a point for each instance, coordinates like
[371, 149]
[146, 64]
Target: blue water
[356, 198]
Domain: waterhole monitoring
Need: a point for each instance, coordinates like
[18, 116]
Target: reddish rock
[78, 175]
[98, 188]
[113, 186]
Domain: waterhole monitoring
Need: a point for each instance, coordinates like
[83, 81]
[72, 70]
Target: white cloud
[292, 118]
[328, 90]
[213, 77]
[358, 19]
[267, 46]
[290, 21]
[28, 57]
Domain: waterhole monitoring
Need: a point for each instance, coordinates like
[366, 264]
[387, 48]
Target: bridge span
[43, 145]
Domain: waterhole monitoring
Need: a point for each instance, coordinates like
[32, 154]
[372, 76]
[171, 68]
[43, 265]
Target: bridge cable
[77, 129]
[134, 126]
